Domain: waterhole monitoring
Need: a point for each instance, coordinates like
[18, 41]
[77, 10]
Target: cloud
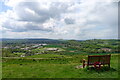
[61, 19]
[69, 21]
[32, 15]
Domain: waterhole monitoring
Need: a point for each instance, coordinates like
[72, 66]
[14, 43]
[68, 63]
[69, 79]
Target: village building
[105, 49]
[23, 55]
[52, 49]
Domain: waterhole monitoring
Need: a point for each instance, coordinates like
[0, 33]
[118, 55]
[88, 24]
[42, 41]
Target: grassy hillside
[55, 67]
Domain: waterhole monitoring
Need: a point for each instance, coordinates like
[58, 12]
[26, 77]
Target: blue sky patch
[3, 7]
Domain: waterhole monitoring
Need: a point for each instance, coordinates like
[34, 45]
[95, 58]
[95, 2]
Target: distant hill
[89, 46]
[30, 40]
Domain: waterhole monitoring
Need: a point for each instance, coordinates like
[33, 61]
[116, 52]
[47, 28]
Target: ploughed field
[55, 66]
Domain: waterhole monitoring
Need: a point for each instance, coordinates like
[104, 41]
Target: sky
[59, 19]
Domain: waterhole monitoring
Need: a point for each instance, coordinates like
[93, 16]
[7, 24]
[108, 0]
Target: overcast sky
[59, 19]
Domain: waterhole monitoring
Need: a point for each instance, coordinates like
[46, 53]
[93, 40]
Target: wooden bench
[97, 60]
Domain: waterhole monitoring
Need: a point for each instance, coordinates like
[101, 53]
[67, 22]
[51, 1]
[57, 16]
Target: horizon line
[64, 39]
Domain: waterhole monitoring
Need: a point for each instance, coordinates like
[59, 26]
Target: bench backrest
[104, 59]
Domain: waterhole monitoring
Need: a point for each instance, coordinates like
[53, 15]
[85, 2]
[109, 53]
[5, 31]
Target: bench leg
[88, 67]
[83, 63]
[109, 65]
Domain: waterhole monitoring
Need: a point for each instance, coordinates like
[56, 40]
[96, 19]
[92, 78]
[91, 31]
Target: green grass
[70, 49]
[53, 46]
[38, 50]
[47, 56]
[74, 53]
[42, 50]
[0, 68]
[101, 53]
[18, 53]
[55, 68]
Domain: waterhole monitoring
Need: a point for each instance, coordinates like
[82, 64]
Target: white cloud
[60, 19]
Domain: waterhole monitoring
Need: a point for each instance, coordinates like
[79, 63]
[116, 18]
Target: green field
[48, 56]
[55, 66]
[54, 46]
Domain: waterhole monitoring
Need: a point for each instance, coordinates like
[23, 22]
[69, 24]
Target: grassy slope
[60, 68]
